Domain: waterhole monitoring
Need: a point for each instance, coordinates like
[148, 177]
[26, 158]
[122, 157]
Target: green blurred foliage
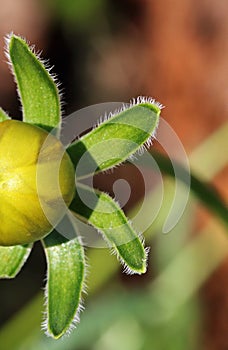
[81, 12]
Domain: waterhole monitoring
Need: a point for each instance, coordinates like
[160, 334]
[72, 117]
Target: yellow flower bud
[36, 182]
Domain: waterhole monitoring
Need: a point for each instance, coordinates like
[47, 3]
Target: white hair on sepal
[103, 119]
[108, 171]
[80, 308]
[133, 102]
[75, 321]
[44, 62]
[9, 63]
[141, 150]
[6, 48]
[143, 99]
[37, 54]
[149, 142]
[126, 268]
[125, 106]
[71, 327]
[114, 251]
[86, 266]
[113, 248]
[132, 158]
[44, 323]
[146, 249]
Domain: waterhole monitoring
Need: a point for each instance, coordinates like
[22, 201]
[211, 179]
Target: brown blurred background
[113, 50]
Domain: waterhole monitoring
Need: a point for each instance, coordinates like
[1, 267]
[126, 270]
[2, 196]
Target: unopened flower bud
[36, 182]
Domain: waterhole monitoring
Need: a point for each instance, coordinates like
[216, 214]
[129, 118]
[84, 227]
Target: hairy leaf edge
[45, 65]
[76, 319]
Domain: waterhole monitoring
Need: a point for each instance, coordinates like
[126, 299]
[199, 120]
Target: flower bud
[36, 182]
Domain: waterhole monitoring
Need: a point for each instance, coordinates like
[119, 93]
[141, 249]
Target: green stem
[205, 192]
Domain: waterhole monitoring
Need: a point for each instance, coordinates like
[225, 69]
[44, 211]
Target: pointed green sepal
[101, 211]
[66, 269]
[116, 139]
[12, 259]
[37, 89]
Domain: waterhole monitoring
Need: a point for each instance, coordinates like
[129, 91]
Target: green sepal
[38, 91]
[66, 269]
[12, 259]
[102, 212]
[3, 115]
[115, 140]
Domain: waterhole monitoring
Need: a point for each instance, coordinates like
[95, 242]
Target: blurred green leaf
[102, 212]
[3, 115]
[210, 156]
[188, 270]
[12, 259]
[205, 192]
[115, 140]
[38, 92]
[81, 12]
[23, 327]
[66, 264]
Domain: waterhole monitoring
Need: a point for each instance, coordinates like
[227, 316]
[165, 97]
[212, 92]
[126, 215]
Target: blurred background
[113, 50]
